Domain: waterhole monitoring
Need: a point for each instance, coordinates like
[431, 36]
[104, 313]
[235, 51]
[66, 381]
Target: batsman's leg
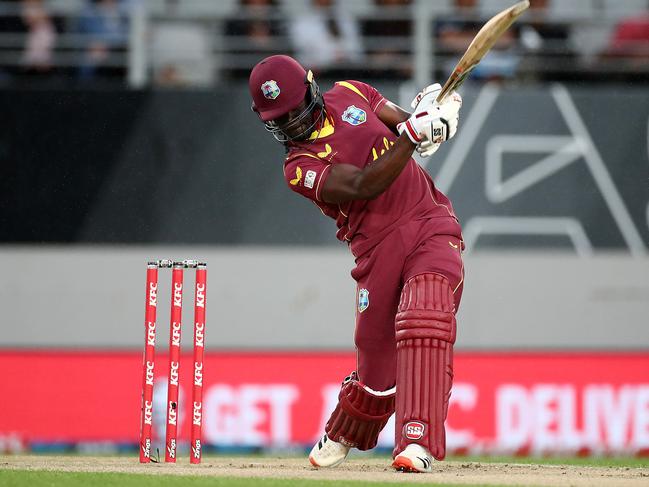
[356, 422]
[425, 332]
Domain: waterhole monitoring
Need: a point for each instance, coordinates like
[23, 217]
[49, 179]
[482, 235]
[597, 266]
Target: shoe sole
[404, 464]
[316, 465]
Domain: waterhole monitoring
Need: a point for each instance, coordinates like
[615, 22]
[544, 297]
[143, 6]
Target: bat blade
[480, 45]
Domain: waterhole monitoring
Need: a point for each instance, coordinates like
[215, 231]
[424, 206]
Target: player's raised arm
[347, 182]
[430, 125]
[392, 115]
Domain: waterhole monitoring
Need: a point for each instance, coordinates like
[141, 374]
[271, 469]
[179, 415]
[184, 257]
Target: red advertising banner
[501, 402]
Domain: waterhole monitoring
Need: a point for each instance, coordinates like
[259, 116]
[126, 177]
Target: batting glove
[435, 124]
[428, 148]
[426, 97]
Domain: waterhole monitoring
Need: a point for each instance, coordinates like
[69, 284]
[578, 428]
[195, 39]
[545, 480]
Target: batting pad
[360, 415]
[425, 333]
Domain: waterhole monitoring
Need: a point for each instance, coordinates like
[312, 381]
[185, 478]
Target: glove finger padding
[426, 96]
[428, 148]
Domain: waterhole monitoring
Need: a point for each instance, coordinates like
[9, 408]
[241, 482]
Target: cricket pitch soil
[362, 469]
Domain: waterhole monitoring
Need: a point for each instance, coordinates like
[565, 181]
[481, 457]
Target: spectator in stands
[253, 34]
[326, 36]
[390, 50]
[105, 22]
[41, 36]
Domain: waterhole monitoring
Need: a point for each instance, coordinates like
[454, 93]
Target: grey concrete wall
[304, 298]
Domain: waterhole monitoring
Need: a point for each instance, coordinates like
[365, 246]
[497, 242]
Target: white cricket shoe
[328, 453]
[415, 458]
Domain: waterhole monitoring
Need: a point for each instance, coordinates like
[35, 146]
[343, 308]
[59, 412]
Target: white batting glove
[434, 124]
[448, 113]
[426, 97]
[427, 148]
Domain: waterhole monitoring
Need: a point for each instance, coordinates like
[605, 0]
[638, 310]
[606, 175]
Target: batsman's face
[298, 123]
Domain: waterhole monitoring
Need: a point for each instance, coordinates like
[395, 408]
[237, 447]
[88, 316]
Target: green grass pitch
[78, 479]
[55, 471]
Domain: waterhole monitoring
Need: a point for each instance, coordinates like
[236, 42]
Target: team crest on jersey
[354, 115]
[270, 89]
[363, 300]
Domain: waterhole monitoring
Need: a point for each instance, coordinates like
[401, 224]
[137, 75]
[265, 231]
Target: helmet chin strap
[316, 102]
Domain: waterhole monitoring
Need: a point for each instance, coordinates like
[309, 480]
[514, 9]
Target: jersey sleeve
[306, 174]
[375, 100]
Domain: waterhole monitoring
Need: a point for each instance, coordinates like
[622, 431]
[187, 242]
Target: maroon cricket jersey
[354, 134]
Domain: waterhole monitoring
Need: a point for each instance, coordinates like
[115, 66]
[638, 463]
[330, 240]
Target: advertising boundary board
[523, 402]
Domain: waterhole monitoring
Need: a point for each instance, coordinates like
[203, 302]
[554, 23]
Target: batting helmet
[279, 85]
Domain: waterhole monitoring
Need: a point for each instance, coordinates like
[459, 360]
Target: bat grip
[442, 95]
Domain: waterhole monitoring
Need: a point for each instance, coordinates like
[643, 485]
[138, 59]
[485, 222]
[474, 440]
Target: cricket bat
[480, 45]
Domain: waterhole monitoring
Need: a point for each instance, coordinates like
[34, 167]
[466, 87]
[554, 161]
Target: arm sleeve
[306, 175]
[375, 99]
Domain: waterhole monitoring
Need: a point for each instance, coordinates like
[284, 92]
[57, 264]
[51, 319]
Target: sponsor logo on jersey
[309, 179]
[270, 89]
[354, 115]
[414, 430]
[363, 300]
[298, 177]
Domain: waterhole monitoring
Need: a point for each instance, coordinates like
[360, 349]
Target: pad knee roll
[425, 333]
[360, 415]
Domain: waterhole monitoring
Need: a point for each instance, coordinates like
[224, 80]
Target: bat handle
[452, 84]
[442, 95]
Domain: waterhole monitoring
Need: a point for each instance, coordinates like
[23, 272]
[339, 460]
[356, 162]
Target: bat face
[481, 44]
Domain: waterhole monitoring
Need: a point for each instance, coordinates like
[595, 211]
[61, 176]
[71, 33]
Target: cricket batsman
[349, 150]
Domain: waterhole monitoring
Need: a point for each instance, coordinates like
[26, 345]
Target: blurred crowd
[90, 44]
[201, 42]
